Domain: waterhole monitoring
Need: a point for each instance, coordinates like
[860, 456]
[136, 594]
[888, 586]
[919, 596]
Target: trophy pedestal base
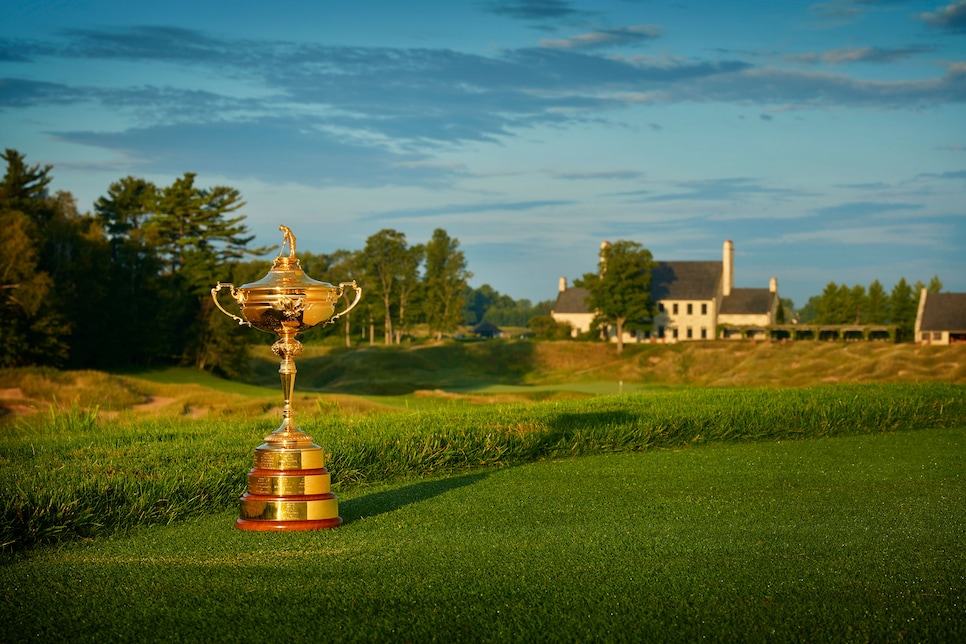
[265, 526]
[288, 489]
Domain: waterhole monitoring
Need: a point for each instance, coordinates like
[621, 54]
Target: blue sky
[826, 139]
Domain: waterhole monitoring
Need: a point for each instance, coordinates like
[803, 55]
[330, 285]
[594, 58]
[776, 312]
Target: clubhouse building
[697, 300]
[941, 318]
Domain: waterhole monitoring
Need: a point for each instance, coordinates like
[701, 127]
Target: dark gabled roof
[572, 300]
[685, 280]
[944, 312]
[485, 327]
[747, 301]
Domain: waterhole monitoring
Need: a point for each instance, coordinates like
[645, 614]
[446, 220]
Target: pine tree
[198, 243]
[35, 329]
[903, 307]
[878, 302]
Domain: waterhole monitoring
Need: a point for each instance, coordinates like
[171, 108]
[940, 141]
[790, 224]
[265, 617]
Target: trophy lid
[286, 271]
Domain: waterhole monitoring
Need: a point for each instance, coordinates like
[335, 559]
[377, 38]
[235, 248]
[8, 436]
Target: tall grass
[396, 370]
[68, 476]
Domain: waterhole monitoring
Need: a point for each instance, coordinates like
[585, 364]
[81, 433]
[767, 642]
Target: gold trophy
[289, 487]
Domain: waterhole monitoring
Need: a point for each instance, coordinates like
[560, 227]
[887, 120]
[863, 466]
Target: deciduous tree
[620, 292]
[445, 283]
[390, 274]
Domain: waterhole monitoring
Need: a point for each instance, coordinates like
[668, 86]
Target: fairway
[589, 388]
[852, 538]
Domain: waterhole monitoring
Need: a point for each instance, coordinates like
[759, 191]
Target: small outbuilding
[487, 330]
[941, 318]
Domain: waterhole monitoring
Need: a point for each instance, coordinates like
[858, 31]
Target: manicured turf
[852, 538]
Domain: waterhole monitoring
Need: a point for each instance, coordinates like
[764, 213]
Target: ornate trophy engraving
[288, 489]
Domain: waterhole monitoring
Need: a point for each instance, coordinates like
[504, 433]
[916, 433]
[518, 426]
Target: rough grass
[465, 366]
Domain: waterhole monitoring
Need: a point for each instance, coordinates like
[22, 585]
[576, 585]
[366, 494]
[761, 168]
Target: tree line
[841, 304]
[129, 284]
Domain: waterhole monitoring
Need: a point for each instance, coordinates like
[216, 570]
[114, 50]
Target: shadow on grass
[402, 370]
[567, 423]
[382, 502]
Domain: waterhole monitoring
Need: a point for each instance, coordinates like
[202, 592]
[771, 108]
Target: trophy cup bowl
[289, 487]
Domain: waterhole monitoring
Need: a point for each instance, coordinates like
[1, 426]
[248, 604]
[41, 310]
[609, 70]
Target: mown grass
[848, 539]
[72, 476]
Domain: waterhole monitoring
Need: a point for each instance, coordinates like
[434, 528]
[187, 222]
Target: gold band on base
[289, 508]
[270, 457]
[289, 483]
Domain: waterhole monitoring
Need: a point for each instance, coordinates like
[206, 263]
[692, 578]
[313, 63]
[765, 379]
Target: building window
[704, 309]
[674, 334]
[689, 328]
[925, 336]
[689, 309]
[937, 335]
[675, 308]
[704, 333]
[660, 331]
[660, 307]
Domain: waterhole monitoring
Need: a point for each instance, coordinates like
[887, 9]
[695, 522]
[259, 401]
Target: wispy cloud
[880, 55]
[836, 12]
[532, 10]
[805, 90]
[465, 209]
[605, 38]
[862, 209]
[922, 235]
[955, 175]
[719, 190]
[290, 151]
[601, 174]
[17, 92]
[951, 18]
[384, 112]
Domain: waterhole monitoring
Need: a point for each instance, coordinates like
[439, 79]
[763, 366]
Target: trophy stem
[288, 434]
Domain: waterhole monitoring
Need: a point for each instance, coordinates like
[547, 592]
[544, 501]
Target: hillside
[378, 378]
[454, 366]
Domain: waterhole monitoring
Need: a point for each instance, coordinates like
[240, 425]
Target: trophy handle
[342, 286]
[214, 296]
